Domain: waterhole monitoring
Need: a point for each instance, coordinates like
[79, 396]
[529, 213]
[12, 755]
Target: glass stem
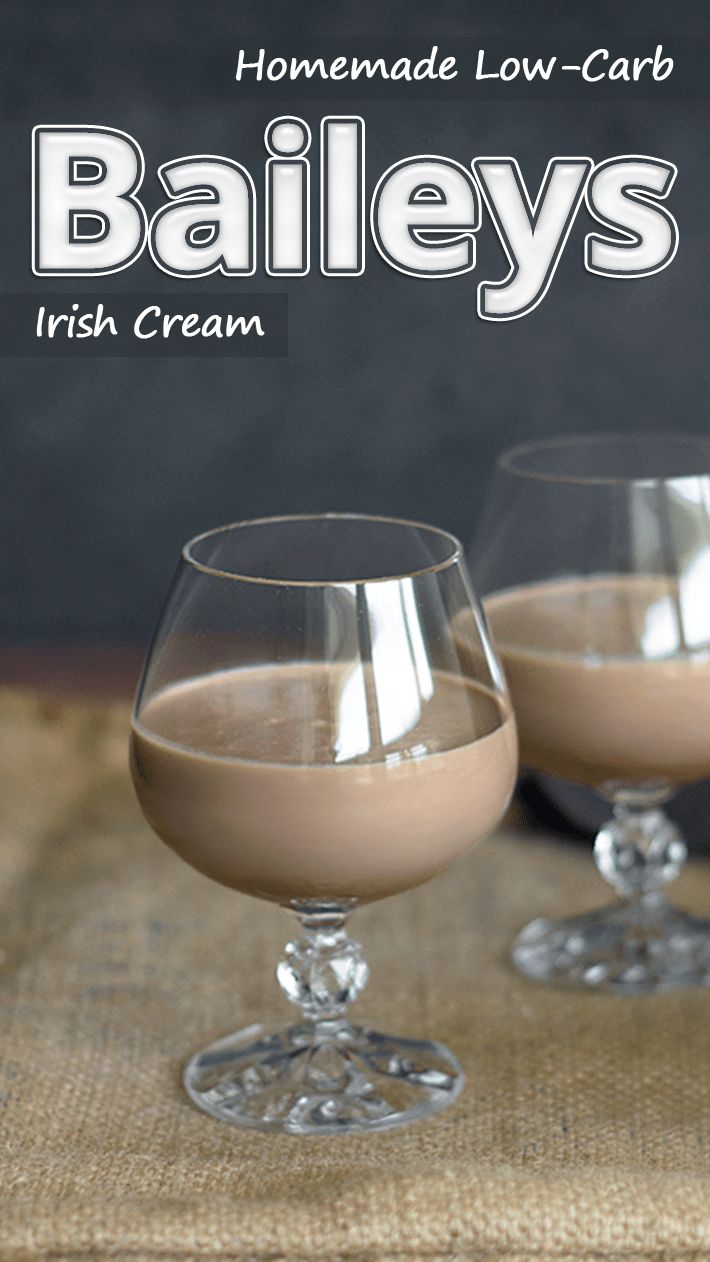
[639, 850]
[323, 969]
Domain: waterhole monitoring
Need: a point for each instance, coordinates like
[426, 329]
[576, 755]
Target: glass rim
[506, 460]
[456, 554]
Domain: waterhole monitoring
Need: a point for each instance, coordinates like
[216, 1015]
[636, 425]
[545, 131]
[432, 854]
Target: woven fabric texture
[583, 1130]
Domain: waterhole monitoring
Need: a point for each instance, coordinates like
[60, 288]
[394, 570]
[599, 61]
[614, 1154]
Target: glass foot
[631, 948]
[332, 1079]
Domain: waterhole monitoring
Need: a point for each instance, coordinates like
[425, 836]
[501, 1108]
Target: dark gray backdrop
[395, 396]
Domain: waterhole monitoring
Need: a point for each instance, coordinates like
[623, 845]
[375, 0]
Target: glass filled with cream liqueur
[321, 723]
[593, 559]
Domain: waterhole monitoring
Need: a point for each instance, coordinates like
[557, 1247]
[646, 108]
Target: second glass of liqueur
[310, 731]
[593, 558]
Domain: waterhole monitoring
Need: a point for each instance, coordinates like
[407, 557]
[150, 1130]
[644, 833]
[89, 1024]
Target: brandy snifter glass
[593, 559]
[310, 730]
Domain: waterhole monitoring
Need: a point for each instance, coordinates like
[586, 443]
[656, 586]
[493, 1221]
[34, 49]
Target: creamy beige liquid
[236, 771]
[602, 686]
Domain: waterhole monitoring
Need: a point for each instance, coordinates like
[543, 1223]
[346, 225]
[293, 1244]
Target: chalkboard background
[395, 397]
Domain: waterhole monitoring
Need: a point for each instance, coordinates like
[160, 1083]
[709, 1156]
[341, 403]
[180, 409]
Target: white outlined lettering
[424, 216]
[288, 197]
[210, 223]
[342, 195]
[533, 236]
[623, 193]
[65, 193]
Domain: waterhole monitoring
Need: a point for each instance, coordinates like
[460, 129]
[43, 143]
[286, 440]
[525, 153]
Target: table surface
[583, 1130]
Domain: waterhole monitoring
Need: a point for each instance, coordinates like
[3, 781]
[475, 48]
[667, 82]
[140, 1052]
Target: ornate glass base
[324, 1079]
[633, 948]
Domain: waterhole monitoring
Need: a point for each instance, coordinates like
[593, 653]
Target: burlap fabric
[583, 1132]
